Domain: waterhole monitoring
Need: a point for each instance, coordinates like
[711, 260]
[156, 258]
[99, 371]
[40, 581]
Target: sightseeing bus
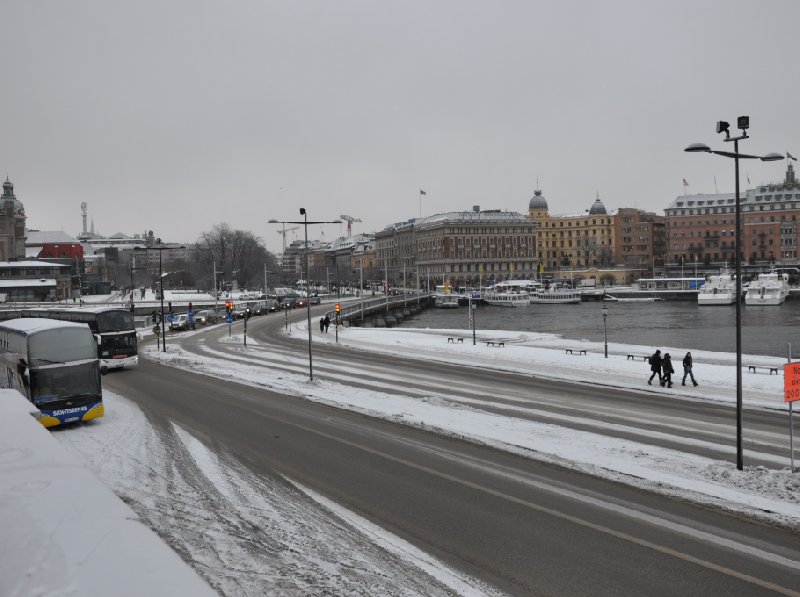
[113, 329]
[54, 365]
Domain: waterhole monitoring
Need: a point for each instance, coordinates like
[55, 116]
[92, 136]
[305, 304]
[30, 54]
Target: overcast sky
[174, 116]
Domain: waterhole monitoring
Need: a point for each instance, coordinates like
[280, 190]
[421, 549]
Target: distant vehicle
[260, 307]
[300, 303]
[205, 317]
[314, 300]
[53, 364]
[239, 310]
[180, 322]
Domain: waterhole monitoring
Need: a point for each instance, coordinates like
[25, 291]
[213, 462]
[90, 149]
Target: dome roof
[597, 208]
[537, 201]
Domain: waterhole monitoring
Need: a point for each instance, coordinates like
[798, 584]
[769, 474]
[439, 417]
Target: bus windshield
[49, 385]
[51, 346]
[114, 321]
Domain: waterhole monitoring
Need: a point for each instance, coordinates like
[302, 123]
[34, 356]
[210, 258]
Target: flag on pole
[421, 192]
[790, 156]
[686, 184]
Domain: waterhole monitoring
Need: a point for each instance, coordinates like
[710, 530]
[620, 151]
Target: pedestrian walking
[687, 369]
[655, 367]
[668, 370]
[321, 324]
[327, 323]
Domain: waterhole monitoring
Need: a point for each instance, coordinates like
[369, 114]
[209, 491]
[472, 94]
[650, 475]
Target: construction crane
[283, 232]
[349, 220]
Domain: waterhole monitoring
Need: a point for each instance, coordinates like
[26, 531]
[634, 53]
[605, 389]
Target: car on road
[300, 303]
[205, 317]
[179, 322]
[314, 300]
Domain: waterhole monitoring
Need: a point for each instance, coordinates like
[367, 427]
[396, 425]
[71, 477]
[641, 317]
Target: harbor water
[678, 324]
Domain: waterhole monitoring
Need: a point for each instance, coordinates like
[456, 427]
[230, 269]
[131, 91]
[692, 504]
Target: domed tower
[12, 238]
[597, 208]
[537, 207]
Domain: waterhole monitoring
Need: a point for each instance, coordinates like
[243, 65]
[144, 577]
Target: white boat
[719, 290]
[768, 289]
[556, 295]
[511, 293]
[632, 299]
[445, 300]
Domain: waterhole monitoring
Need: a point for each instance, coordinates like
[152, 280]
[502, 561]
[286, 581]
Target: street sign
[170, 318]
[229, 318]
[791, 382]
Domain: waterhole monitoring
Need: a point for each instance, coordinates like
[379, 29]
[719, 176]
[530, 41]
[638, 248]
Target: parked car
[179, 322]
[205, 317]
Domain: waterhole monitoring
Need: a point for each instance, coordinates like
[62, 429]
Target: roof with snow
[40, 237]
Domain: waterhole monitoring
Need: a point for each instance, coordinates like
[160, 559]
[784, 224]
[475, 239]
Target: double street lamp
[305, 224]
[160, 248]
[742, 123]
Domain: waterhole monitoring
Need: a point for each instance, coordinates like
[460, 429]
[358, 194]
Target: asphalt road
[525, 527]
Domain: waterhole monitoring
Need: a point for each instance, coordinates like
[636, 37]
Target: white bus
[53, 364]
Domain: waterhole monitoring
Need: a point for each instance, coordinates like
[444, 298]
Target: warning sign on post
[791, 382]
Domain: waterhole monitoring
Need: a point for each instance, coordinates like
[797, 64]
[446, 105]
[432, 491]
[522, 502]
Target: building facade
[471, 248]
[572, 242]
[702, 228]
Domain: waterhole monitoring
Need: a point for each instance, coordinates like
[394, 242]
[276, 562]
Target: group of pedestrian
[324, 323]
[662, 366]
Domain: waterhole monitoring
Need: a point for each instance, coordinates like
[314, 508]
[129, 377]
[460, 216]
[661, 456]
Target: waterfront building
[640, 240]
[470, 247]
[572, 241]
[701, 227]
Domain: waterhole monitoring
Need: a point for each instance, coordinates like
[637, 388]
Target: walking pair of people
[662, 366]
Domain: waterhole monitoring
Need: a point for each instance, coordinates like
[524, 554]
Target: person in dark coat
[655, 367]
[327, 323]
[668, 370]
[687, 369]
[321, 324]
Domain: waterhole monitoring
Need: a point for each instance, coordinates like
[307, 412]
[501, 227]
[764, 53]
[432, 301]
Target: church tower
[12, 225]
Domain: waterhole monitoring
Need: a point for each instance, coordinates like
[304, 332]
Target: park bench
[770, 368]
[493, 343]
[633, 357]
[453, 340]
[576, 351]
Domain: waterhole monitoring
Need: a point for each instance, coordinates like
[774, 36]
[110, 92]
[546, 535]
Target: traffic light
[248, 313]
[338, 308]
[228, 307]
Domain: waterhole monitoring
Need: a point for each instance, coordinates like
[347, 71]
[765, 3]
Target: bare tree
[236, 254]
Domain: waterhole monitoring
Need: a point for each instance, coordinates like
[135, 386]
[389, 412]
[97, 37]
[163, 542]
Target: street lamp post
[742, 123]
[305, 224]
[160, 248]
[361, 291]
[605, 329]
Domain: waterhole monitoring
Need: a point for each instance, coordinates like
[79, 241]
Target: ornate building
[12, 225]
[580, 241]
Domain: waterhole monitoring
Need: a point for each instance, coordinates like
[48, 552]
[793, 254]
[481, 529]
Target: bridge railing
[372, 305]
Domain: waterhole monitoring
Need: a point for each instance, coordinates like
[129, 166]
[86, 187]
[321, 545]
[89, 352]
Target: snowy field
[249, 535]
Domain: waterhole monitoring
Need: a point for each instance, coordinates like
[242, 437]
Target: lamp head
[772, 157]
[302, 211]
[743, 122]
[694, 147]
[724, 127]
[272, 221]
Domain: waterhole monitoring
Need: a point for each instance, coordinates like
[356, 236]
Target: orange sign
[791, 382]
